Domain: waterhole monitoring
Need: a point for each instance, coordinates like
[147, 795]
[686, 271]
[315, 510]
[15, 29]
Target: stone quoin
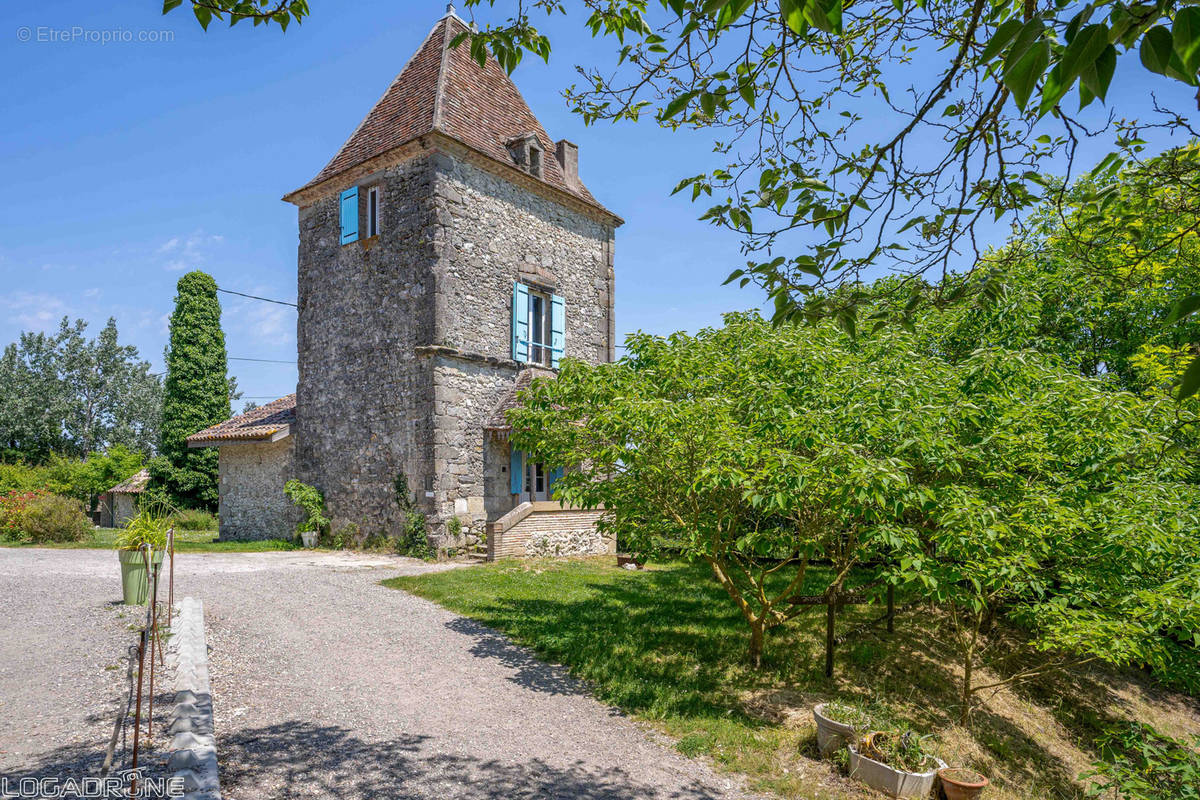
[448, 254]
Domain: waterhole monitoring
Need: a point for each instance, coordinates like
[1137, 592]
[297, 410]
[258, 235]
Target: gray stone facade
[252, 503]
[405, 337]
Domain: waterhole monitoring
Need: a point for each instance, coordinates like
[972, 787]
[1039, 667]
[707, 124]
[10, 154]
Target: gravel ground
[326, 684]
[63, 642]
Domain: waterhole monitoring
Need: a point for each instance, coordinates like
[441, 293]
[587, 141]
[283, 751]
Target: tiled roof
[497, 421]
[133, 484]
[443, 89]
[258, 423]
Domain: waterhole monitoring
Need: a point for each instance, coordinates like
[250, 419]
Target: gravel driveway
[326, 684]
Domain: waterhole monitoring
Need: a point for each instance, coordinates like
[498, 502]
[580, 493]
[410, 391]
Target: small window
[373, 211]
[535, 160]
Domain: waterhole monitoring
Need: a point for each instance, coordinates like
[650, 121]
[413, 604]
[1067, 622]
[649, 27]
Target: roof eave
[221, 441]
[306, 194]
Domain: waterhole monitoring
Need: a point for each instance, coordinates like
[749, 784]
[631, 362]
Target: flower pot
[308, 538]
[962, 784]
[135, 583]
[891, 781]
[831, 735]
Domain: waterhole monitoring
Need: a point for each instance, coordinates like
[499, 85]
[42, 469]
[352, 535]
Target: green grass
[667, 645]
[185, 542]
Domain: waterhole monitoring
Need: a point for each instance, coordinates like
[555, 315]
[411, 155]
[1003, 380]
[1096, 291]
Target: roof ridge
[440, 90]
[388, 89]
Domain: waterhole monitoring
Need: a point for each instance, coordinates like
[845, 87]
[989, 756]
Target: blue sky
[128, 162]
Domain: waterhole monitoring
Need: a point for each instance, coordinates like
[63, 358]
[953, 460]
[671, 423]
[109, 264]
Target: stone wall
[493, 233]
[364, 397]
[549, 532]
[252, 505]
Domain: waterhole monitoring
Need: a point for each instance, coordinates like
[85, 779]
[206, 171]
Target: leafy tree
[65, 393]
[196, 393]
[999, 483]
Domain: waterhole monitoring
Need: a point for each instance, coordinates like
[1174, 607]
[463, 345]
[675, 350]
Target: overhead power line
[261, 360]
[256, 297]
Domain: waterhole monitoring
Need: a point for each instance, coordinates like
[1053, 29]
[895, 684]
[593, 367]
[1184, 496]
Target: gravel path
[326, 684]
[63, 640]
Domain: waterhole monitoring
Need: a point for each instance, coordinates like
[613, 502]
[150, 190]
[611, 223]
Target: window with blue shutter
[520, 323]
[349, 207]
[516, 471]
[558, 329]
[555, 475]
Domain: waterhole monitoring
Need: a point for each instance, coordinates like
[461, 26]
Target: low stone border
[193, 750]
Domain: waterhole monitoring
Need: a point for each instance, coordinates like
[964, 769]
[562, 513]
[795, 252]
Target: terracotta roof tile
[258, 423]
[443, 89]
[497, 421]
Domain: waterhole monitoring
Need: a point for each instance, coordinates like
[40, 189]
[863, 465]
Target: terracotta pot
[961, 784]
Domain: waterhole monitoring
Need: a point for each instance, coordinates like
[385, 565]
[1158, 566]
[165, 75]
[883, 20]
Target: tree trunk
[964, 717]
[758, 630]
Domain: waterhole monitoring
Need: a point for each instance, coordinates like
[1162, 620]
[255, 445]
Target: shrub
[1139, 763]
[148, 527]
[312, 502]
[54, 518]
[414, 537]
[12, 509]
[454, 526]
[194, 519]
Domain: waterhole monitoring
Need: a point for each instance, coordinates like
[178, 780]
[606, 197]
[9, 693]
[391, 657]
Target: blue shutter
[350, 215]
[558, 329]
[520, 323]
[555, 474]
[516, 469]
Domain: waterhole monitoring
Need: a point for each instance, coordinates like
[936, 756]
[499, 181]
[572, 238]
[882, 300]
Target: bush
[12, 510]
[194, 519]
[1139, 763]
[312, 502]
[54, 518]
[414, 538]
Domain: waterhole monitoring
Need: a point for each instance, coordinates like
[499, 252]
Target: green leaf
[1099, 75]
[1183, 308]
[675, 106]
[1156, 49]
[793, 15]
[203, 16]
[1000, 39]
[1186, 37]
[171, 5]
[1024, 67]
[1191, 380]
[1083, 52]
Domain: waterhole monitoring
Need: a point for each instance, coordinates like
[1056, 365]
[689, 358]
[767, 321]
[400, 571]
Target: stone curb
[193, 750]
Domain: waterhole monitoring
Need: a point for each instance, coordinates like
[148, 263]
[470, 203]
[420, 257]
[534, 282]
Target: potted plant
[838, 724]
[146, 528]
[312, 503]
[895, 763]
[960, 783]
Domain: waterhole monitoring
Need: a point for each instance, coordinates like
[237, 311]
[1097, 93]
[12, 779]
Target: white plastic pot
[893, 782]
[831, 735]
[308, 538]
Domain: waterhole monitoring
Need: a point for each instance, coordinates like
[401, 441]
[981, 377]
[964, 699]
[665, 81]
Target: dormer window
[526, 153]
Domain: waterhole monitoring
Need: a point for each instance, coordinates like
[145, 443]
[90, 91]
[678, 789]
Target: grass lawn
[667, 645]
[185, 542]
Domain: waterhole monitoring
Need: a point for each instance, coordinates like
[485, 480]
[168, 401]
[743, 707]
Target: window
[535, 159]
[538, 326]
[373, 211]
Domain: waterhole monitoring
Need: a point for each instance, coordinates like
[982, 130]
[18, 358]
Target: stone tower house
[448, 252]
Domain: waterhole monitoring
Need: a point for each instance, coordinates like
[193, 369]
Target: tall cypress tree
[195, 394]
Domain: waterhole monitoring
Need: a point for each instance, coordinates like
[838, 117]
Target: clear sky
[126, 163]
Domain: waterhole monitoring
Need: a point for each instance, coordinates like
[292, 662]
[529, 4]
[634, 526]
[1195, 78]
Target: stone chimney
[568, 157]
